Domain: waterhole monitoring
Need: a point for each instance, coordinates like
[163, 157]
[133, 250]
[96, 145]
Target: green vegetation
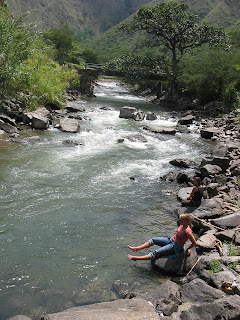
[233, 250]
[233, 265]
[214, 266]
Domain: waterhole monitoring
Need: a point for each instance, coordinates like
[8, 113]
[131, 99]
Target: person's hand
[188, 252]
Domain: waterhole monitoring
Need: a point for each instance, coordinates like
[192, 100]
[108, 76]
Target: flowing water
[68, 213]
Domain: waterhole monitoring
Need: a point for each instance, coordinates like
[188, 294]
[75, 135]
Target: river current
[68, 213]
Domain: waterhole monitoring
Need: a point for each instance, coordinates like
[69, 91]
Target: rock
[72, 143]
[120, 140]
[235, 167]
[210, 170]
[229, 221]
[151, 116]
[183, 178]
[69, 125]
[207, 241]
[224, 308]
[180, 265]
[122, 309]
[156, 129]
[217, 278]
[138, 115]
[8, 120]
[170, 176]
[212, 189]
[136, 138]
[8, 128]
[74, 108]
[226, 235]
[34, 139]
[43, 112]
[222, 162]
[27, 117]
[220, 150]
[186, 120]
[237, 237]
[208, 133]
[180, 163]
[184, 193]
[39, 122]
[199, 291]
[127, 112]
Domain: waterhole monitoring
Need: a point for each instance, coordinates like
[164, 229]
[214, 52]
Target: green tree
[171, 26]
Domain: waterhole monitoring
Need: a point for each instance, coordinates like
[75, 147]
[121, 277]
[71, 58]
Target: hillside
[219, 13]
[88, 18]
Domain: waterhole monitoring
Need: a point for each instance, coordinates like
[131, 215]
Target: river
[68, 213]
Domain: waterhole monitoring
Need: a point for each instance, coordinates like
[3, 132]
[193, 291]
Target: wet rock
[74, 108]
[72, 143]
[156, 129]
[217, 278]
[127, 112]
[222, 162]
[8, 127]
[138, 115]
[212, 189]
[186, 120]
[184, 193]
[229, 221]
[19, 317]
[120, 140]
[183, 178]
[199, 291]
[179, 265]
[210, 170]
[208, 133]
[151, 116]
[180, 163]
[136, 138]
[121, 309]
[69, 125]
[34, 139]
[170, 176]
[8, 120]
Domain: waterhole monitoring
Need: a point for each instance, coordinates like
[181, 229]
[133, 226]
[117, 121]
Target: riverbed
[67, 213]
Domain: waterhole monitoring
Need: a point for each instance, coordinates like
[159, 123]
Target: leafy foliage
[214, 266]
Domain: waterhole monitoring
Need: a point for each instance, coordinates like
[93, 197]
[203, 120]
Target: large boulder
[180, 163]
[210, 170]
[186, 120]
[8, 120]
[151, 116]
[207, 241]
[8, 127]
[138, 115]
[157, 129]
[39, 122]
[229, 221]
[235, 167]
[122, 309]
[184, 193]
[179, 265]
[222, 162]
[127, 112]
[218, 278]
[74, 108]
[199, 291]
[69, 125]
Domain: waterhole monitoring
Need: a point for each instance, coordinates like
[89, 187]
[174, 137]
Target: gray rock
[222, 162]
[210, 170]
[235, 167]
[72, 143]
[199, 291]
[184, 193]
[74, 108]
[131, 309]
[237, 237]
[44, 112]
[136, 138]
[138, 115]
[19, 317]
[180, 163]
[212, 189]
[219, 277]
[8, 128]
[220, 150]
[8, 120]
[70, 125]
[207, 241]
[170, 176]
[127, 112]
[156, 129]
[226, 235]
[224, 308]
[209, 208]
[208, 133]
[27, 117]
[180, 265]
[39, 122]
[186, 120]
[229, 221]
[151, 116]
[183, 178]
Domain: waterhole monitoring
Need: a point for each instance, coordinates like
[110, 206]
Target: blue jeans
[166, 247]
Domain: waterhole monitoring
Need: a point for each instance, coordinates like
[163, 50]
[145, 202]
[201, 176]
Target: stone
[226, 235]
[237, 237]
[34, 139]
[184, 193]
[235, 167]
[138, 115]
[127, 112]
[180, 163]
[44, 112]
[151, 116]
[19, 317]
[224, 308]
[183, 178]
[157, 129]
[136, 138]
[39, 122]
[228, 221]
[208, 133]
[220, 150]
[212, 189]
[72, 143]
[207, 241]
[179, 265]
[186, 120]
[8, 128]
[8, 120]
[210, 170]
[69, 125]
[74, 108]
[27, 117]
[222, 162]
[170, 176]
[217, 278]
[199, 291]
[122, 309]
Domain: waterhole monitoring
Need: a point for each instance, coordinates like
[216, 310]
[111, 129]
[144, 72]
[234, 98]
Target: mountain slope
[219, 13]
[88, 18]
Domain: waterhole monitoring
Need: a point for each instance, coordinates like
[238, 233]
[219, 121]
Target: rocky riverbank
[212, 289]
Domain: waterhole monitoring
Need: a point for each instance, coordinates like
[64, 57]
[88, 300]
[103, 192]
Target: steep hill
[219, 13]
[88, 18]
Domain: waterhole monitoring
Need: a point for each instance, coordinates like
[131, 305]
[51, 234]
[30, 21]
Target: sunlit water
[68, 213]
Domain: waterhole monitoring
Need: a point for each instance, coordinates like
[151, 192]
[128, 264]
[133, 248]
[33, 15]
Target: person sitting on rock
[169, 246]
[196, 195]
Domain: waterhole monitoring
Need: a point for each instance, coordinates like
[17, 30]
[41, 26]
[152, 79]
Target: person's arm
[192, 193]
[193, 243]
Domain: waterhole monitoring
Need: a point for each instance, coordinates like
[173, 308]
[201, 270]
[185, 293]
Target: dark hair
[198, 179]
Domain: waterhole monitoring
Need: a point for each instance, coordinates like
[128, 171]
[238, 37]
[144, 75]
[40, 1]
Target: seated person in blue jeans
[169, 246]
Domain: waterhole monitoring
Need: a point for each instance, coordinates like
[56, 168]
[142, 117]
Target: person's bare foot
[131, 257]
[134, 249]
